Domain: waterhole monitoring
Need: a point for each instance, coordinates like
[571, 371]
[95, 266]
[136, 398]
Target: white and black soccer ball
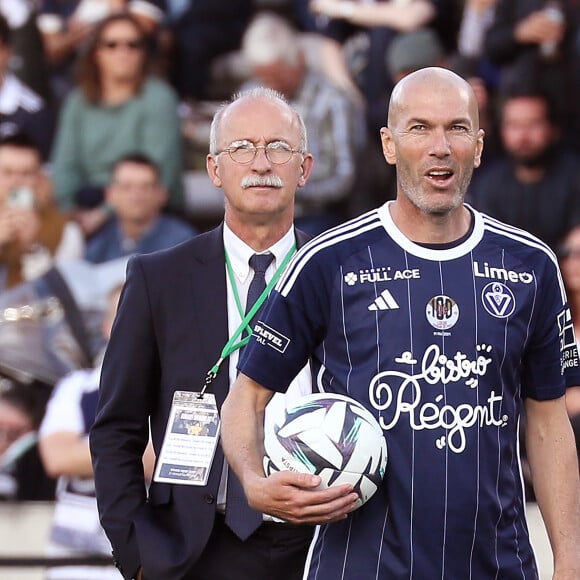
[332, 436]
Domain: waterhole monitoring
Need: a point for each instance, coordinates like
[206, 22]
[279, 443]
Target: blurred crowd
[105, 107]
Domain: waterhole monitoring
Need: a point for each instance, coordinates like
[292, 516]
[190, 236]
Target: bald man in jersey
[465, 328]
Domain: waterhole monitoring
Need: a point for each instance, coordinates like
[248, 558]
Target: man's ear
[479, 148]
[388, 145]
[213, 170]
[305, 169]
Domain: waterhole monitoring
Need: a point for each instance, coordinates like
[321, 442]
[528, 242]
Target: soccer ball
[332, 436]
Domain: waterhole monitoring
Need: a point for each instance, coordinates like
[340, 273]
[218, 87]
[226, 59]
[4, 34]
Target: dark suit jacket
[170, 329]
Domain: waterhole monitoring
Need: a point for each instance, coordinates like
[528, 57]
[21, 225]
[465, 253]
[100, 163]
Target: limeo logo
[266, 335]
[486, 271]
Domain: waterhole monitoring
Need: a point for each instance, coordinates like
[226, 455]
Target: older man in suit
[178, 309]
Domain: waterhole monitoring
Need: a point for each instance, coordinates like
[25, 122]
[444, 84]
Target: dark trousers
[273, 552]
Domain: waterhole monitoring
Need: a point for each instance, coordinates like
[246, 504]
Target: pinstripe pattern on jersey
[350, 229]
[469, 520]
[503, 229]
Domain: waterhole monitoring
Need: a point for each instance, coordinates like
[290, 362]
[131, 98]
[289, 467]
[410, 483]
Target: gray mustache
[262, 181]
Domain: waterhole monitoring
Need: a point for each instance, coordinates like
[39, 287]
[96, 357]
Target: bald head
[434, 140]
[431, 83]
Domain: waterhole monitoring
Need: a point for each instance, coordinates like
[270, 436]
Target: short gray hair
[255, 93]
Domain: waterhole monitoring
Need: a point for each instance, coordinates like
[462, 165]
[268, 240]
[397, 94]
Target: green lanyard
[231, 345]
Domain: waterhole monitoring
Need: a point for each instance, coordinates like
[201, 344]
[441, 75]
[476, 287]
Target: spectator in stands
[203, 30]
[66, 25]
[28, 62]
[117, 109]
[381, 21]
[64, 448]
[534, 41]
[410, 51]
[33, 232]
[396, 15]
[136, 225]
[536, 184]
[334, 122]
[21, 109]
[22, 476]
[470, 59]
[569, 257]
[476, 18]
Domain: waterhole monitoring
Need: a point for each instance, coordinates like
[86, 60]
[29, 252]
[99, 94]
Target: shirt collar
[239, 253]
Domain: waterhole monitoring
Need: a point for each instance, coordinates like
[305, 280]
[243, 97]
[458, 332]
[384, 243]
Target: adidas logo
[384, 302]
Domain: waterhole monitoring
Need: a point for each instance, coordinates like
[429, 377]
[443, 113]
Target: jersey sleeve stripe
[350, 229]
[527, 239]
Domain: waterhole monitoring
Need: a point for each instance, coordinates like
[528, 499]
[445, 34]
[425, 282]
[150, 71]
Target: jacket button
[209, 498]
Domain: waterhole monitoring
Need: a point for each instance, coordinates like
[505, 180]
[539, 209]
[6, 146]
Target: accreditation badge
[190, 440]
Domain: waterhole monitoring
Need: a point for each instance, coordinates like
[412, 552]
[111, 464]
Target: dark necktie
[240, 517]
[259, 263]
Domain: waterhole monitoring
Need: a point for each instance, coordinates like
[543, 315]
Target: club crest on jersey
[498, 300]
[442, 312]
[383, 274]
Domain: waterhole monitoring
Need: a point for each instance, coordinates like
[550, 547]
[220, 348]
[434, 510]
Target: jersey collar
[429, 253]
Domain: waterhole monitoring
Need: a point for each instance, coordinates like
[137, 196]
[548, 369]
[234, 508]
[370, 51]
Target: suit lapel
[208, 279]
[209, 289]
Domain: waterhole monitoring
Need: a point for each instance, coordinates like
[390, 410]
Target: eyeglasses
[128, 44]
[244, 152]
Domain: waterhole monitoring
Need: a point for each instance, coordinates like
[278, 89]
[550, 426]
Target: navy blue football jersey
[442, 346]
